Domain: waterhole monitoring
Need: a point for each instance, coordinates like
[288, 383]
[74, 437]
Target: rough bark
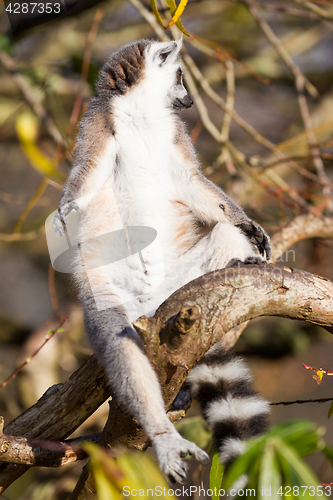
[59, 412]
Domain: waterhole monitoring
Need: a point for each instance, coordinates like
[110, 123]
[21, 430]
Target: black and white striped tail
[222, 385]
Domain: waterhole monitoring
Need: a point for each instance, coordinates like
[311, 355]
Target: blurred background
[270, 63]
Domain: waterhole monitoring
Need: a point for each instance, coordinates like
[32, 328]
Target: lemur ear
[168, 52]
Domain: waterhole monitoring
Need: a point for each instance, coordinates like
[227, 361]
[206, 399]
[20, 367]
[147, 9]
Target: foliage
[273, 461]
[116, 477]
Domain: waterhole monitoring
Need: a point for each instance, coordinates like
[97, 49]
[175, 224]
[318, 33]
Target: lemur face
[163, 69]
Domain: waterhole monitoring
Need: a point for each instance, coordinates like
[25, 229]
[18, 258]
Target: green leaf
[328, 452]
[156, 13]
[269, 475]
[296, 472]
[6, 45]
[216, 475]
[244, 463]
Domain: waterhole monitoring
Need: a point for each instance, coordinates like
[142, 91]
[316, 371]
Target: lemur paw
[59, 220]
[257, 236]
[254, 259]
[170, 448]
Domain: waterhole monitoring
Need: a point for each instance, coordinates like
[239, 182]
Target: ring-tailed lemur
[135, 167]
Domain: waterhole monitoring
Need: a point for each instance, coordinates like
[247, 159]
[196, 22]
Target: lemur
[135, 167]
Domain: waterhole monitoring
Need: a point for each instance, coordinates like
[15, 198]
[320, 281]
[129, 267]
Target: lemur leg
[118, 345]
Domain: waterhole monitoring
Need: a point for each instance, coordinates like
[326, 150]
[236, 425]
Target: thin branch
[29, 206]
[273, 39]
[301, 82]
[316, 9]
[85, 68]
[53, 293]
[301, 401]
[286, 10]
[31, 235]
[49, 336]
[30, 97]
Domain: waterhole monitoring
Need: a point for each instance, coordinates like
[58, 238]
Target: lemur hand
[257, 236]
[59, 220]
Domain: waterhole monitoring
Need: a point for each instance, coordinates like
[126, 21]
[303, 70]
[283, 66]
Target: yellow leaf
[27, 131]
[173, 11]
[179, 10]
[27, 127]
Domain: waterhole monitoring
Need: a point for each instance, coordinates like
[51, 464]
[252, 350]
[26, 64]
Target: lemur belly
[142, 280]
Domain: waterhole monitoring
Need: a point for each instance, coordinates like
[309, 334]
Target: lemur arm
[94, 143]
[210, 205]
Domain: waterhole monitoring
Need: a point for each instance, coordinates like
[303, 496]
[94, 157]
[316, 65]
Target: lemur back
[139, 193]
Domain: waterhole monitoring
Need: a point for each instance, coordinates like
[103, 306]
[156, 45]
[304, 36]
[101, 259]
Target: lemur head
[153, 68]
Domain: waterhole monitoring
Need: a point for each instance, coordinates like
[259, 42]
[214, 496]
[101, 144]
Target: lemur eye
[179, 76]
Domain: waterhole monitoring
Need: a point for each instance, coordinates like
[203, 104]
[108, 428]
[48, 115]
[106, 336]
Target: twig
[273, 39]
[291, 160]
[316, 9]
[53, 293]
[30, 205]
[85, 68]
[286, 10]
[49, 336]
[31, 235]
[230, 100]
[225, 156]
[151, 19]
[301, 401]
[301, 82]
[30, 97]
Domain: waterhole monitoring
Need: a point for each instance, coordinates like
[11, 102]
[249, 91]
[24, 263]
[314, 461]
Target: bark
[182, 330]
[33, 451]
[58, 413]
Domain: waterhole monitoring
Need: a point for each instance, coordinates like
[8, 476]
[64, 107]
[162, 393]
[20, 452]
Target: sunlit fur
[135, 166]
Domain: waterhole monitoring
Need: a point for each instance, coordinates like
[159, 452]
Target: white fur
[232, 447]
[232, 371]
[236, 408]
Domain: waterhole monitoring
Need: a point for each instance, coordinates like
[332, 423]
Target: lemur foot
[170, 448]
[59, 220]
[182, 401]
[254, 259]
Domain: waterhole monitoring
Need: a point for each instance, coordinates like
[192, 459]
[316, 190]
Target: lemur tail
[222, 385]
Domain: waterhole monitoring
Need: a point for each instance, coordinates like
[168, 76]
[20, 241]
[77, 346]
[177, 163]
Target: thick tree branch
[182, 330]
